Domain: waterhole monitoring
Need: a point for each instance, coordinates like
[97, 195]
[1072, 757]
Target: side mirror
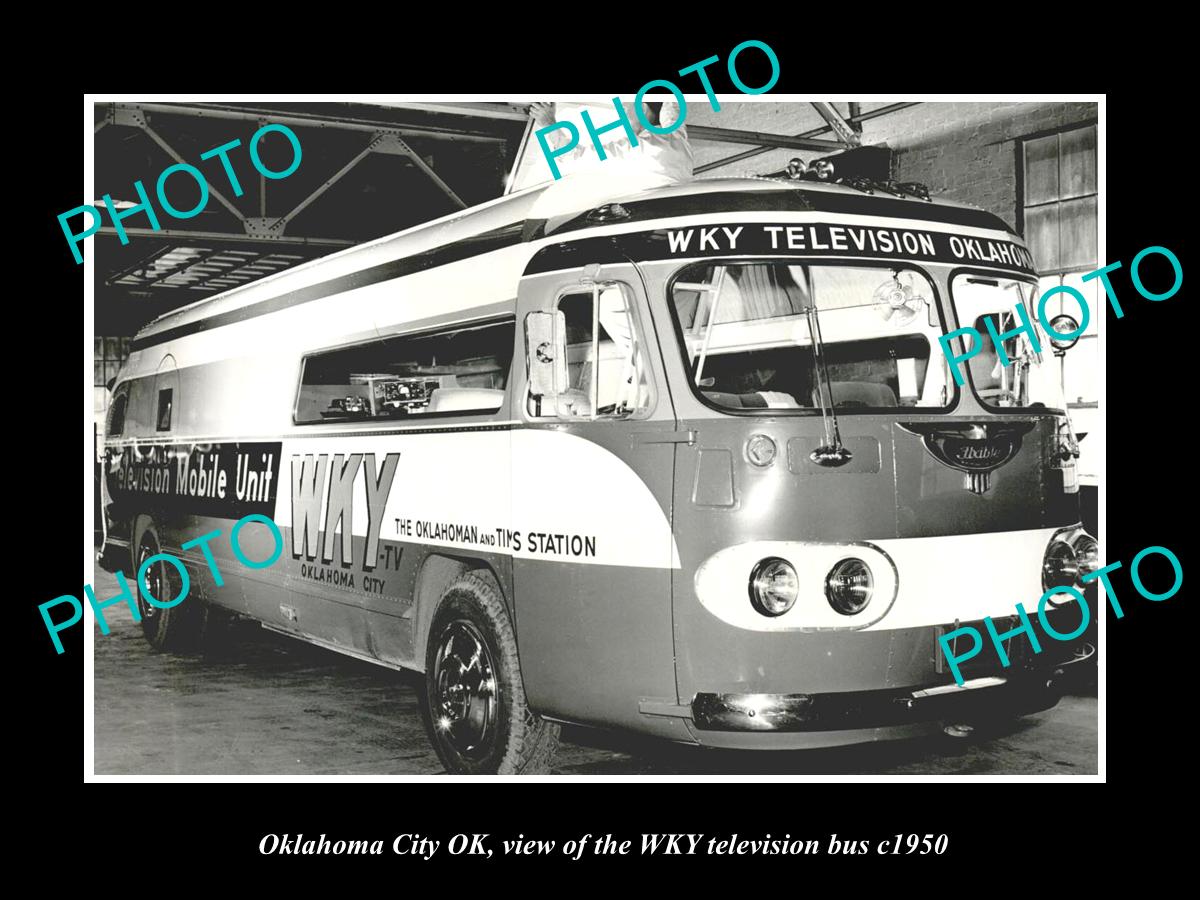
[546, 356]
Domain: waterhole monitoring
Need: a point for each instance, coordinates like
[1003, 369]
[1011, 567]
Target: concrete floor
[275, 706]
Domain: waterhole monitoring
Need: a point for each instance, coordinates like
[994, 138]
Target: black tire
[178, 628]
[476, 712]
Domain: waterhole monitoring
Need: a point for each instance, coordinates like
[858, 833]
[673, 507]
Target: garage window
[454, 371]
[110, 353]
[1059, 202]
[1059, 214]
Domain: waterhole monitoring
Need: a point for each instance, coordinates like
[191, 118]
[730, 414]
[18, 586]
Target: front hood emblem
[974, 448]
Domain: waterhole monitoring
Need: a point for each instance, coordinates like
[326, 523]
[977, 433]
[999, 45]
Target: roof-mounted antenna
[914, 189]
[798, 170]
[859, 183]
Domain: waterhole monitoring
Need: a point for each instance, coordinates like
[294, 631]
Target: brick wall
[962, 151]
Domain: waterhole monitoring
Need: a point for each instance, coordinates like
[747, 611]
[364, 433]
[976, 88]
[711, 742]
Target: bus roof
[521, 217]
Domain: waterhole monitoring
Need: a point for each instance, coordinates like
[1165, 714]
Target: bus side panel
[191, 493]
[594, 641]
[592, 573]
[231, 592]
[361, 515]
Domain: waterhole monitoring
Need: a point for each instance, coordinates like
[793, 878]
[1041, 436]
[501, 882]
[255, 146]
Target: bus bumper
[790, 721]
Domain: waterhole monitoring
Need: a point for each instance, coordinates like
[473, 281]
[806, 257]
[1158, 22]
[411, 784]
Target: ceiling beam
[833, 118]
[178, 235]
[738, 157]
[512, 112]
[762, 139]
[135, 119]
[855, 110]
[311, 120]
[416, 160]
[330, 182]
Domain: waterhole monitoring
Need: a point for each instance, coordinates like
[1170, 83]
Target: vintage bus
[689, 462]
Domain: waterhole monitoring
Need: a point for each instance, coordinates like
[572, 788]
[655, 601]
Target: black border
[1151, 466]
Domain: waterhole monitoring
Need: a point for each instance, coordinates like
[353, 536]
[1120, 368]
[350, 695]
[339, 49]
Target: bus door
[593, 461]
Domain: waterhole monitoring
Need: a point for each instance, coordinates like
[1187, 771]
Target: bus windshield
[1032, 379]
[748, 334]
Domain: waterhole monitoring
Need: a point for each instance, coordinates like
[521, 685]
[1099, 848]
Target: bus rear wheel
[174, 629]
[477, 714]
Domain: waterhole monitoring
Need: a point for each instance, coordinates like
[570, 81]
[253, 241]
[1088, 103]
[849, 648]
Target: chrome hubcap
[465, 689]
[154, 583]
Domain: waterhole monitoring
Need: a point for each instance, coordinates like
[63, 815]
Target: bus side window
[455, 370]
[164, 409]
[606, 372]
[116, 412]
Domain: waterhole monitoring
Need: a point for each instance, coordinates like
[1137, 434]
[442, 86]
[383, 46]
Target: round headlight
[1087, 554]
[1064, 332]
[849, 585]
[773, 586]
[1060, 568]
[760, 450]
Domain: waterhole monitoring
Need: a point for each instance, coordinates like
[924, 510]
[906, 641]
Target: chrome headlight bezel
[838, 586]
[1073, 553]
[1087, 553]
[772, 580]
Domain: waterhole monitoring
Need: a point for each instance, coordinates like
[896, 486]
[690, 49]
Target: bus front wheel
[477, 714]
[178, 627]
